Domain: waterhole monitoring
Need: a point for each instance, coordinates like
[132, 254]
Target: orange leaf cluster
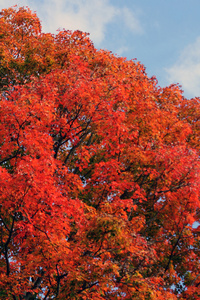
[99, 172]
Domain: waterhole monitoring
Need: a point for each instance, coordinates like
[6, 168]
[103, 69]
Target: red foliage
[99, 185]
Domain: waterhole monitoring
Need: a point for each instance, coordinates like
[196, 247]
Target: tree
[99, 185]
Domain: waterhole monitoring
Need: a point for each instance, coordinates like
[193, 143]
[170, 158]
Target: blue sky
[164, 35]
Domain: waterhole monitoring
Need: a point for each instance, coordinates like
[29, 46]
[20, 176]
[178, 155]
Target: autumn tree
[99, 172]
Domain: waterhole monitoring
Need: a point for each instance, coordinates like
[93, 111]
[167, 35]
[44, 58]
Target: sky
[164, 35]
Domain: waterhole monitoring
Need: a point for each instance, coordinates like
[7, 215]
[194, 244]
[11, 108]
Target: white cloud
[86, 15]
[186, 71]
[6, 4]
[120, 51]
[90, 16]
[131, 20]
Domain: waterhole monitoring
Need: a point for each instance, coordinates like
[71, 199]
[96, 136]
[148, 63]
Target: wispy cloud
[186, 71]
[131, 20]
[91, 16]
[121, 50]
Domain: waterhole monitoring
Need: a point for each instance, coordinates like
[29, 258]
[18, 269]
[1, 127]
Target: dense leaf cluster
[99, 172]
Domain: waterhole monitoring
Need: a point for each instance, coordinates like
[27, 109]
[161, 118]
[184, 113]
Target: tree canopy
[99, 172]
